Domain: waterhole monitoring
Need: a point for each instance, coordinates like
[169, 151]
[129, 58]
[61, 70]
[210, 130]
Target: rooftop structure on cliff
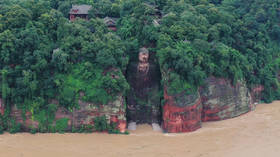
[111, 23]
[80, 11]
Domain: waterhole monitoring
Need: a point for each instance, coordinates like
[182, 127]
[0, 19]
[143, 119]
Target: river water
[256, 134]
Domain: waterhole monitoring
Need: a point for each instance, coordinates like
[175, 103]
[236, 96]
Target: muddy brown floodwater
[256, 134]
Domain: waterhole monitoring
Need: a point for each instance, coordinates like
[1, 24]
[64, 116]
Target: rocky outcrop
[25, 119]
[85, 115]
[222, 100]
[256, 92]
[217, 99]
[181, 112]
[113, 111]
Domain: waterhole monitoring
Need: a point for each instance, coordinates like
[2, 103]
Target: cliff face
[217, 99]
[113, 111]
[256, 93]
[222, 100]
[181, 113]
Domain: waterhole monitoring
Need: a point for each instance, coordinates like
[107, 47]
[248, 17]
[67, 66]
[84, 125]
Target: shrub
[13, 126]
[33, 131]
[100, 124]
[112, 129]
[61, 125]
[85, 128]
[43, 121]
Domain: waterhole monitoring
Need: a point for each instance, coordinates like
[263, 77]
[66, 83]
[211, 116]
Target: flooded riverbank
[255, 134]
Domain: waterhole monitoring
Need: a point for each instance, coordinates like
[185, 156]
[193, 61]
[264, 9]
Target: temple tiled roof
[110, 21]
[80, 9]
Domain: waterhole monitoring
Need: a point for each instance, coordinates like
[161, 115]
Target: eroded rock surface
[256, 93]
[222, 100]
[113, 111]
[181, 112]
[25, 119]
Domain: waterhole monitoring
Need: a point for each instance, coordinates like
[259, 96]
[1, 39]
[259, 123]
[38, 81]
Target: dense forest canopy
[44, 56]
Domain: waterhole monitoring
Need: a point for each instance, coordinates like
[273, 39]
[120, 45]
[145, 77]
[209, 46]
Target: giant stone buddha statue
[143, 101]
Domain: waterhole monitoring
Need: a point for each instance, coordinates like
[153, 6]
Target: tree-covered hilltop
[231, 39]
[44, 56]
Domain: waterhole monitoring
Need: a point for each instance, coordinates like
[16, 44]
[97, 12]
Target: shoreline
[253, 134]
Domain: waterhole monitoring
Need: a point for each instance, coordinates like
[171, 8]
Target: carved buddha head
[143, 65]
[143, 55]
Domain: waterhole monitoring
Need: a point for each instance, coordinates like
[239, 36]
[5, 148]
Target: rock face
[222, 100]
[181, 112]
[256, 92]
[216, 100]
[24, 119]
[113, 111]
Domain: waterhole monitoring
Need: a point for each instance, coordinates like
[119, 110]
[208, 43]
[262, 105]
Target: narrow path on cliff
[254, 134]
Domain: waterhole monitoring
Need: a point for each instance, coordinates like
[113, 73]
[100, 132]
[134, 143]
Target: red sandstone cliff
[218, 100]
[184, 116]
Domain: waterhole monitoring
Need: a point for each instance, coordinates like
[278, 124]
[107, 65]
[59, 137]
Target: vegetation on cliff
[44, 56]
